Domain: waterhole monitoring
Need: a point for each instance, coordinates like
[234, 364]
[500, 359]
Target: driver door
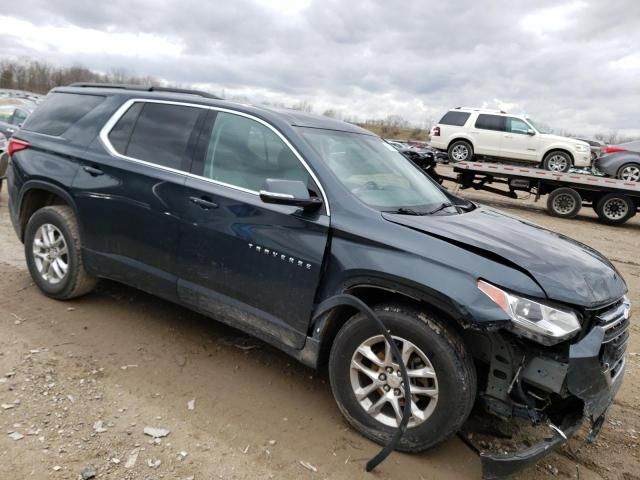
[251, 264]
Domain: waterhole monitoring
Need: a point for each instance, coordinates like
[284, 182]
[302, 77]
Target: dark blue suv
[254, 216]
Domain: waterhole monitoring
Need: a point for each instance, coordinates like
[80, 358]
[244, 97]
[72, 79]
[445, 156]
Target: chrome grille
[615, 321]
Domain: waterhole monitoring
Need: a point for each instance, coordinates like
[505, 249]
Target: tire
[59, 223]
[564, 203]
[460, 151]
[557, 161]
[615, 209]
[629, 172]
[455, 377]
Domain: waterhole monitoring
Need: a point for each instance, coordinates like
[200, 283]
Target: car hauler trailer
[614, 201]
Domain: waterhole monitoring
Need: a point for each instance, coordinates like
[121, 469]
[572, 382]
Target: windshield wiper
[441, 207]
[405, 211]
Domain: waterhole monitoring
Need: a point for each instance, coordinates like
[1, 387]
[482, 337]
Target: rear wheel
[557, 161]
[368, 388]
[630, 172]
[564, 202]
[460, 151]
[52, 250]
[615, 209]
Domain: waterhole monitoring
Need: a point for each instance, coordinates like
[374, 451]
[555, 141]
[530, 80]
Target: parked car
[254, 216]
[633, 146]
[596, 147]
[466, 133]
[13, 115]
[624, 165]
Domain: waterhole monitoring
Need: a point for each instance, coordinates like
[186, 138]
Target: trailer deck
[615, 201]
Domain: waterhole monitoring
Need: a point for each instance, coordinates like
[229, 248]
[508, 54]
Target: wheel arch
[375, 292]
[550, 150]
[464, 138]
[36, 194]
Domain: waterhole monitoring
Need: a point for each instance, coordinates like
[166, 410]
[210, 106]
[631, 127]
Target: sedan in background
[13, 115]
[624, 164]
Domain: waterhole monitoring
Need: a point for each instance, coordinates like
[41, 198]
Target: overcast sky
[574, 65]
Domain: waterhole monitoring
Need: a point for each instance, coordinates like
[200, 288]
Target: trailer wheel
[564, 203]
[615, 209]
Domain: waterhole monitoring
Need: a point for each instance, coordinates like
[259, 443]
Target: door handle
[93, 171]
[203, 203]
[508, 136]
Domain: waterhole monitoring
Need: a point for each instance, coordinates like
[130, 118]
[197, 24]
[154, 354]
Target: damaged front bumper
[584, 385]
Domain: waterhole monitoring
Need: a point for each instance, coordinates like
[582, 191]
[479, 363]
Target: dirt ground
[80, 380]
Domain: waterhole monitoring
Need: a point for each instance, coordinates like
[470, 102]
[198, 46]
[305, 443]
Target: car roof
[291, 117]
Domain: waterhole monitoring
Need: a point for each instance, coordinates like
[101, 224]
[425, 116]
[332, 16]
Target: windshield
[540, 127]
[374, 171]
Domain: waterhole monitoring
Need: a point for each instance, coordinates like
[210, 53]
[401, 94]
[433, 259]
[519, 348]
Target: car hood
[566, 270]
[560, 138]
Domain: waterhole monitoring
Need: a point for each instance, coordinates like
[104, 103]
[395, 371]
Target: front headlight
[537, 321]
[581, 148]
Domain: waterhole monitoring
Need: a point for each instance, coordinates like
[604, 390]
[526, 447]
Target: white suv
[465, 132]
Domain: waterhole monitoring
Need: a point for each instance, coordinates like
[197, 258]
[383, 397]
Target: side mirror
[531, 132]
[289, 192]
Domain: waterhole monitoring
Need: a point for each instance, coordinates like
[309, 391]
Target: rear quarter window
[457, 119]
[60, 111]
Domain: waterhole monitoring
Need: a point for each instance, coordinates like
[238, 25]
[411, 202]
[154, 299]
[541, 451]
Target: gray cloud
[575, 70]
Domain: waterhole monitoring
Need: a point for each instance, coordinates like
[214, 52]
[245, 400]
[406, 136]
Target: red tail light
[16, 145]
[611, 149]
[436, 131]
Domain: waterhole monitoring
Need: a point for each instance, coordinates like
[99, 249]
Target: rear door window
[158, 133]
[457, 119]
[491, 122]
[60, 111]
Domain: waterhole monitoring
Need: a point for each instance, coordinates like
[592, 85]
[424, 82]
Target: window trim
[110, 124]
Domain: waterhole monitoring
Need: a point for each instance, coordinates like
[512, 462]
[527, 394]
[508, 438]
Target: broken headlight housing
[539, 322]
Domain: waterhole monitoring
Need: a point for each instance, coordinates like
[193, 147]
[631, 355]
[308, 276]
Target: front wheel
[557, 161]
[52, 250]
[368, 387]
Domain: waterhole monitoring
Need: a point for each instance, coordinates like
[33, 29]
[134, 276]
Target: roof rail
[475, 109]
[146, 88]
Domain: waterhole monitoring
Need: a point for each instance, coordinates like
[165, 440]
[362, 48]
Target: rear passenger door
[128, 190]
[251, 264]
[487, 133]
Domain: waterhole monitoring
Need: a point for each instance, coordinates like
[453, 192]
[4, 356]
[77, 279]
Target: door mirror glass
[288, 192]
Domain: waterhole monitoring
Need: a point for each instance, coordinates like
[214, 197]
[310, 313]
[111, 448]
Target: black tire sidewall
[50, 215]
[619, 175]
[452, 371]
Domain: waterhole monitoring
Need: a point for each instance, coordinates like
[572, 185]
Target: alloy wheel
[630, 173]
[50, 253]
[557, 163]
[460, 153]
[377, 382]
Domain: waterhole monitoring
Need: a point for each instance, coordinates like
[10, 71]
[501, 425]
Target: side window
[19, 116]
[156, 133]
[455, 118]
[60, 111]
[515, 125]
[490, 122]
[5, 113]
[244, 153]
